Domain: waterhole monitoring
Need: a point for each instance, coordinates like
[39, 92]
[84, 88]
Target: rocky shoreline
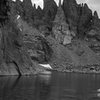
[76, 70]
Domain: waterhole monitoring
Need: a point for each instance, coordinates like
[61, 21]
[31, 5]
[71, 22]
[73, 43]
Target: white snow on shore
[46, 66]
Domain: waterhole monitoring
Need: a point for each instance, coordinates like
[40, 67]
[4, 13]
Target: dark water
[57, 86]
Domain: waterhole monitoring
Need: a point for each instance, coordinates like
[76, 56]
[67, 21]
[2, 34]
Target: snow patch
[18, 17]
[46, 66]
[15, 0]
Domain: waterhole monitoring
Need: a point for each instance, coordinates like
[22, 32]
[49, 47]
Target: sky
[93, 4]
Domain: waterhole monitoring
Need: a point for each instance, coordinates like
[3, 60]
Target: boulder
[67, 40]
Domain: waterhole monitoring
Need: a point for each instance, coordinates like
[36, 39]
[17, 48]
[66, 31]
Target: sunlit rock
[61, 29]
[67, 40]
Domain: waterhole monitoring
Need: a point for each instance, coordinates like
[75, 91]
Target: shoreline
[64, 71]
[90, 69]
[77, 71]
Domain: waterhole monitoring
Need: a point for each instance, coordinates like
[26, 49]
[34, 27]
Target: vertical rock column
[50, 10]
[61, 29]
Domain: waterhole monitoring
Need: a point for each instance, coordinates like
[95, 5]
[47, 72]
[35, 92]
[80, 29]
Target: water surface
[55, 86]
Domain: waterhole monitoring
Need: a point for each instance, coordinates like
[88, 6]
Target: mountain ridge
[66, 36]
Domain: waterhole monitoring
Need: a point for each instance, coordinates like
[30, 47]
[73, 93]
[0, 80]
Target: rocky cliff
[66, 36]
[78, 16]
[13, 52]
[61, 29]
[3, 11]
[50, 9]
[14, 59]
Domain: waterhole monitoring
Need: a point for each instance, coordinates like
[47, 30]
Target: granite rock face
[77, 55]
[28, 10]
[61, 29]
[37, 13]
[24, 9]
[18, 7]
[95, 26]
[78, 16]
[37, 16]
[74, 53]
[14, 59]
[13, 51]
[36, 44]
[40, 50]
[71, 13]
[60, 36]
[50, 9]
[85, 17]
[3, 11]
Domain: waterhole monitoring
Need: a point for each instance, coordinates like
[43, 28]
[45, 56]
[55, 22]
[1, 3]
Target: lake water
[55, 86]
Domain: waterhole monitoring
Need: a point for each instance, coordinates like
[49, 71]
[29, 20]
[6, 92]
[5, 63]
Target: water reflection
[42, 87]
[55, 86]
[45, 78]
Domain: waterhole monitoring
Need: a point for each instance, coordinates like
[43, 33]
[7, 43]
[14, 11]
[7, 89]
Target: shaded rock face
[96, 23]
[28, 9]
[27, 30]
[37, 13]
[40, 50]
[85, 17]
[3, 11]
[24, 9]
[13, 51]
[35, 42]
[75, 56]
[45, 30]
[34, 36]
[19, 8]
[71, 13]
[50, 9]
[78, 16]
[14, 59]
[94, 29]
[36, 16]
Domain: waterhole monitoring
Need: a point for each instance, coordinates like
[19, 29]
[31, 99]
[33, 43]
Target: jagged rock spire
[61, 29]
[50, 7]
[60, 16]
[96, 14]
